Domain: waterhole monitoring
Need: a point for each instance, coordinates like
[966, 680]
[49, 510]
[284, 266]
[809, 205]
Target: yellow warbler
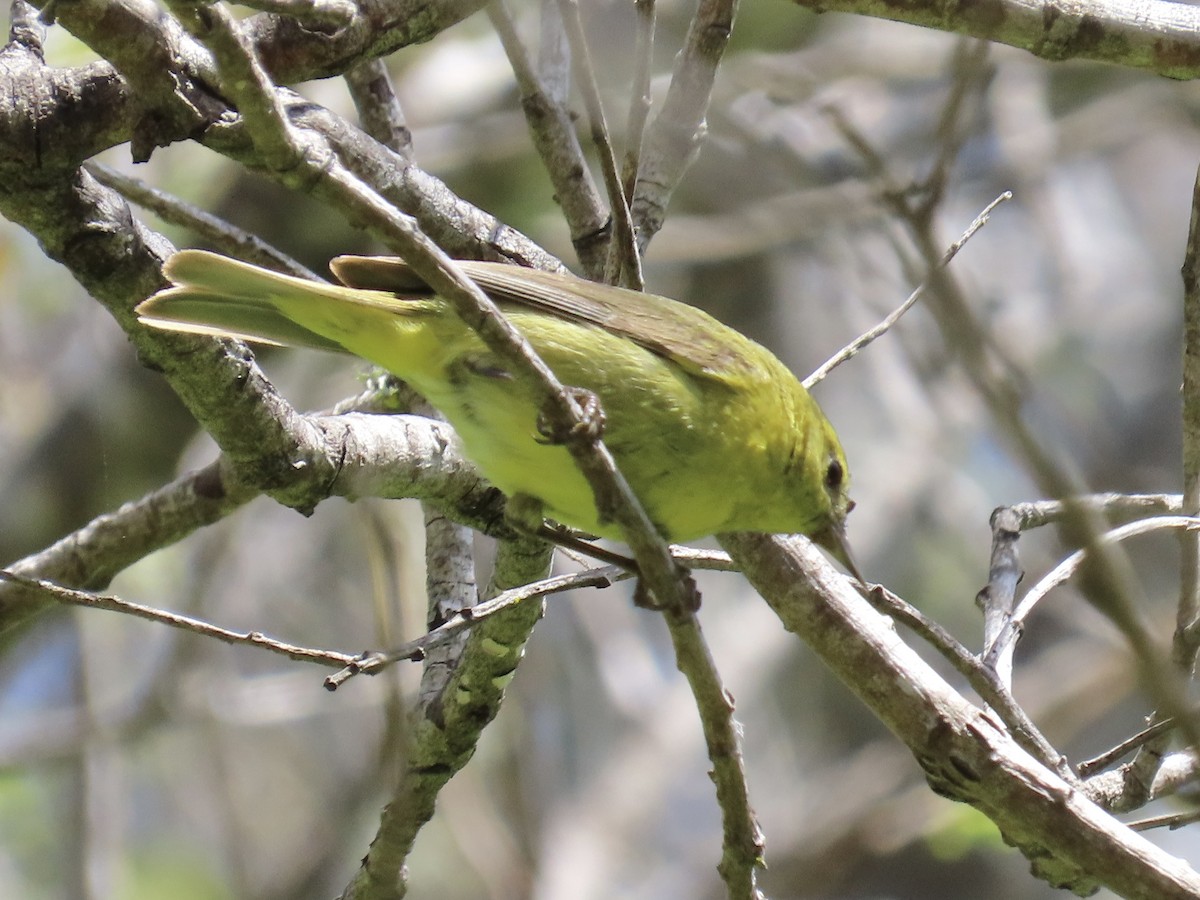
[713, 432]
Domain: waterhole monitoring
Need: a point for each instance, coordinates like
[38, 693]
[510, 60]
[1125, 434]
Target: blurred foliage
[138, 763]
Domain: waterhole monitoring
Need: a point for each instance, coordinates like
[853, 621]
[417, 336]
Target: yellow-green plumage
[713, 433]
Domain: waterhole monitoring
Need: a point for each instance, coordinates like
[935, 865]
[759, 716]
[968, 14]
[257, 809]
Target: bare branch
[986, 683]
[553, 135]
[51, 592]
[336, 14]
[639, 102]
[1075, 562]
[213, 230]
[624, 265]
[998, 597]
[379, 108]
[854, 347]
[1073, 843]
[1158, 37]
[679, 129]
[1107, 577]
[444, 736]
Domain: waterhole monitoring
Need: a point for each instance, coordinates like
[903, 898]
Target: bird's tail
[216, 295]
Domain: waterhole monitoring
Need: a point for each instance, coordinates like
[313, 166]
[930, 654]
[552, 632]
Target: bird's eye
[834, 475]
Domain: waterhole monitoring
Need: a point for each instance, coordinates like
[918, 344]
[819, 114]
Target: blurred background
[136, 762]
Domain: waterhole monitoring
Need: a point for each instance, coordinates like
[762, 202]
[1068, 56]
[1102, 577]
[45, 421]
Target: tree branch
[444, 732]
[1160, 37]
[553, 134]
[624, 264]
[366, 456]
[1107, 577]
[675, 136]
[379, 110]
[965, 754]
[213, 230]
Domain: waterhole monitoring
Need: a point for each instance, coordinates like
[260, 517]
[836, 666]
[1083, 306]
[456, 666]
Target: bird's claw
[589, 426]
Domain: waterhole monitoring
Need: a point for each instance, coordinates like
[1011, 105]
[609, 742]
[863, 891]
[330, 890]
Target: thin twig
[554, 137]
[854, 347]
[1036, 513]
[994, 692]
[60, 594]
[375, 661]
[378, 106]
[1170, 821]
[624, 265]
[1134, 741]
[1069, 566]
[214, 230]
[639, 102]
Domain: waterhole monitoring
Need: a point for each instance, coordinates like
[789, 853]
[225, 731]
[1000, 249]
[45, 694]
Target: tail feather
[215, 295]
[198, 311]
[224, 275]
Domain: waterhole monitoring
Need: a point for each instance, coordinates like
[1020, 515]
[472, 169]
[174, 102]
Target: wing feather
[685, 335]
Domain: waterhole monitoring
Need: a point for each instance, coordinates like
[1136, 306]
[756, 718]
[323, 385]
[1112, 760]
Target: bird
[712, 431]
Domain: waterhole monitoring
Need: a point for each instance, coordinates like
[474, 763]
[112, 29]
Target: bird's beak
[832, 538]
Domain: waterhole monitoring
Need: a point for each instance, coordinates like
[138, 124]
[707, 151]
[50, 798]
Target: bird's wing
[681, 333]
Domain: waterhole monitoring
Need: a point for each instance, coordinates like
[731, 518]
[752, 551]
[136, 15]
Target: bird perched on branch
[713, 433]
